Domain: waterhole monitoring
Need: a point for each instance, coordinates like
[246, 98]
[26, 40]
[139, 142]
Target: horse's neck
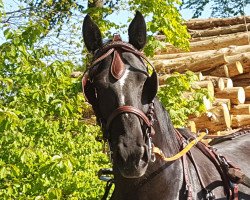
[165, 136]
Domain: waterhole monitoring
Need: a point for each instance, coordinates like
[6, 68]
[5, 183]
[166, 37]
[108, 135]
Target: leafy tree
[47, 151]
[219, 8]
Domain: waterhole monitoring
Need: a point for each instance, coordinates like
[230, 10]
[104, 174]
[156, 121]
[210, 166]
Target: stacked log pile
[220, 55]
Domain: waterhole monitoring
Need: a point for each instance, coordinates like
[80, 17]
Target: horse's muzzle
[132, 162]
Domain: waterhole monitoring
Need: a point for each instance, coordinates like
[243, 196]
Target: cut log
[207, 103]
[219, 31]
[220, 42]
[247, 92]
[234, 69]
[228, 82]
[191, 126]
[242, 83]
[243, 58]
[216, 119]
[241, 109]
[229, 51]
[240, 120]
[203, 65]
[216, 22]
[218, 102]
[235, 94]
[221, 71]
[205, 84]
[213, 44]
[218, 82]
[242, 76]
[200, 76]
[246, 69]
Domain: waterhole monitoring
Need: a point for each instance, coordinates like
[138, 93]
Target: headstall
[117, 69]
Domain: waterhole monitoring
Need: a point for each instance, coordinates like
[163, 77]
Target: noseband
[117, 70]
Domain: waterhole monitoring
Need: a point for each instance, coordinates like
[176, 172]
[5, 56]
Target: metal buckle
[105, 174]
[150, 146]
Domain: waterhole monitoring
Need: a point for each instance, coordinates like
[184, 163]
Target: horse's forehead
[133, 60]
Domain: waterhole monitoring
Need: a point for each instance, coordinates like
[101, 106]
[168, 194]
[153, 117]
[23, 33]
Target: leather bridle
[115, 47]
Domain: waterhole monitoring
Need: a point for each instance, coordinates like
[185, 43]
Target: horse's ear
[150, 88]
[137, 31]
[91, 34]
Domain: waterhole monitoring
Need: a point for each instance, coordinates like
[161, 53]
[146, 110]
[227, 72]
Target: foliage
[181, 99]
[63, 18]
[220, 8]
[47, 150]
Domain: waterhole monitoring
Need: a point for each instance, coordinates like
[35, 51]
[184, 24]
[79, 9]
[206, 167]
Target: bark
[203, 65]
[216, 22]
[242, 83]
[214, 43]
[247, 92]
[221, 71]
[219, 31]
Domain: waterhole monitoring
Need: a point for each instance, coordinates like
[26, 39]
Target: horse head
[120, 89]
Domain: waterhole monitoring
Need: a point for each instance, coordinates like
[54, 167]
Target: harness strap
[128, 109]
[197, 171]
[182, 152]
[189, 189]
[210, 153]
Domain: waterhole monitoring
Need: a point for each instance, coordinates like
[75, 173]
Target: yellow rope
[159, 152]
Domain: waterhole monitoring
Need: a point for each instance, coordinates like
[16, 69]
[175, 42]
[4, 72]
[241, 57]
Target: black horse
[121, 90]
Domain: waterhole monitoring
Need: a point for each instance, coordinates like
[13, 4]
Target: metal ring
[205, 130]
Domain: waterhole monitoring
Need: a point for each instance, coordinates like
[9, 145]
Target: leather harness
[117, 69]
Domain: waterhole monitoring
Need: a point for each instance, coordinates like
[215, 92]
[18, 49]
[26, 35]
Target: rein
[185, 150]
